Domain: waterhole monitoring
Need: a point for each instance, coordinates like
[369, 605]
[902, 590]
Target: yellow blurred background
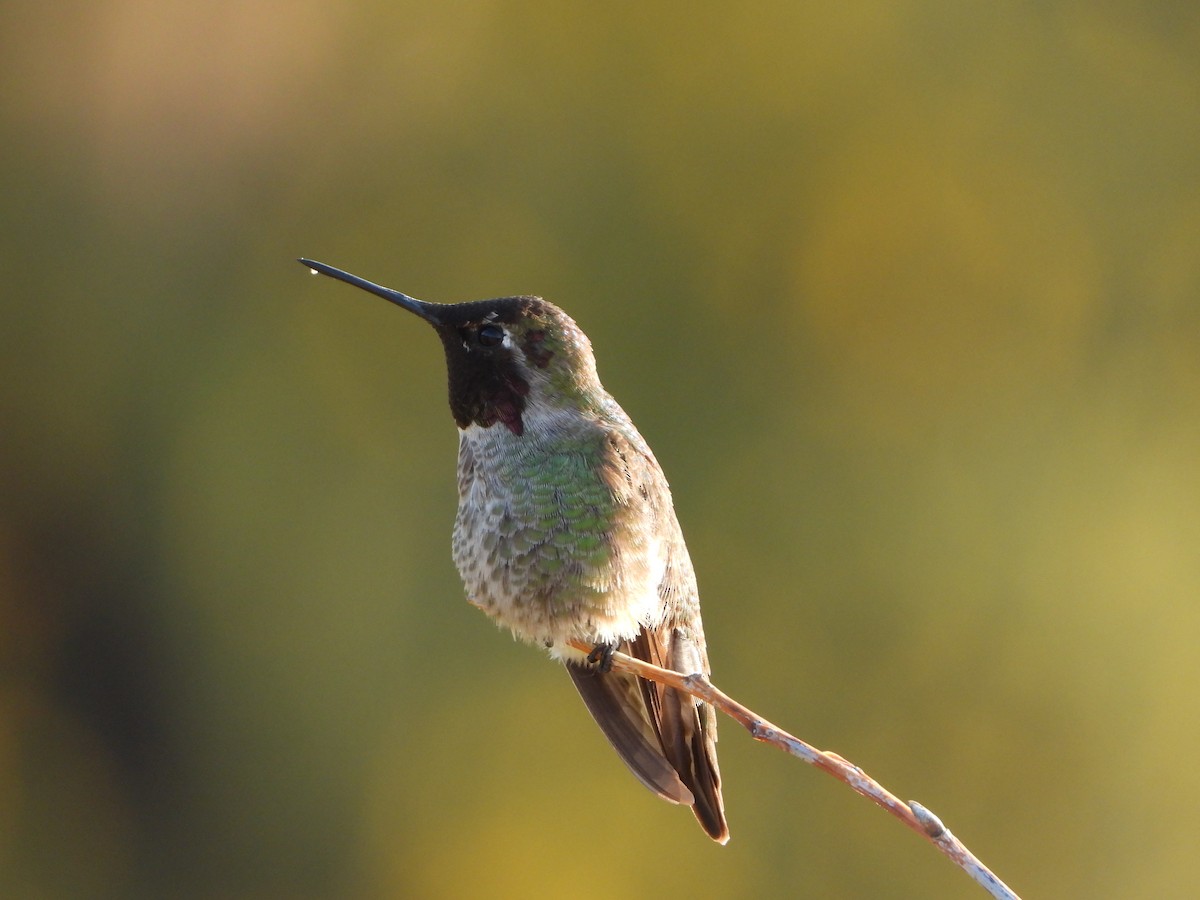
[906, 297]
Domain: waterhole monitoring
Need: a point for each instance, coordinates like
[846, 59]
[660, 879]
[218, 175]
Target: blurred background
[906, 297]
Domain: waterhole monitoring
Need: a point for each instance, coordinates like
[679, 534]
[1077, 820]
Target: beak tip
[313, 266]
[420, 307]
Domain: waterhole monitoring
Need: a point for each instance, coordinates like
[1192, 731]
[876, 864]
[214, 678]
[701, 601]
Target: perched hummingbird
[566, 531]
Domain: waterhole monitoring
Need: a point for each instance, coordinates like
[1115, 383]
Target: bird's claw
[602, 657]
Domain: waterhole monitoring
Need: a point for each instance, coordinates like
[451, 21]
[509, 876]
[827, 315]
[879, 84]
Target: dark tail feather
[666, 738]
[690, 741]
[689, 730]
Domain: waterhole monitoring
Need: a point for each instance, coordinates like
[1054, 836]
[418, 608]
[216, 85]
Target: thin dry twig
[912, 814]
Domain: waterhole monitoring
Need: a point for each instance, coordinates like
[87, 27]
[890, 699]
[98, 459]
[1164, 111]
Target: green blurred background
[906, 297]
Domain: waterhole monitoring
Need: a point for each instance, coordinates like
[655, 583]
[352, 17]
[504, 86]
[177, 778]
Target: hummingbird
[566, 531]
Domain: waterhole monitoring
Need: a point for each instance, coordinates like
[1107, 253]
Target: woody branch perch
[912, 814]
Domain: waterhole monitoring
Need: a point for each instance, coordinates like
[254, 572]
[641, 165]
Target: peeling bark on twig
[912, 814]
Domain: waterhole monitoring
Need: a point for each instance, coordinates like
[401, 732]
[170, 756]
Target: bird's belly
[548, 566]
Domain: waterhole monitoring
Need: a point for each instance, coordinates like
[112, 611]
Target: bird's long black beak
[427, 311]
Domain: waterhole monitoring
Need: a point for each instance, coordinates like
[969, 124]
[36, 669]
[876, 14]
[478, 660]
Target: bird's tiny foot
[602, 657]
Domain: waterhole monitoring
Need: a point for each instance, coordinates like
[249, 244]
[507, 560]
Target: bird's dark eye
[490, 335]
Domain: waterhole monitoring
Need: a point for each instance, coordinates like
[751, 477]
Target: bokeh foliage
[906, 296]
